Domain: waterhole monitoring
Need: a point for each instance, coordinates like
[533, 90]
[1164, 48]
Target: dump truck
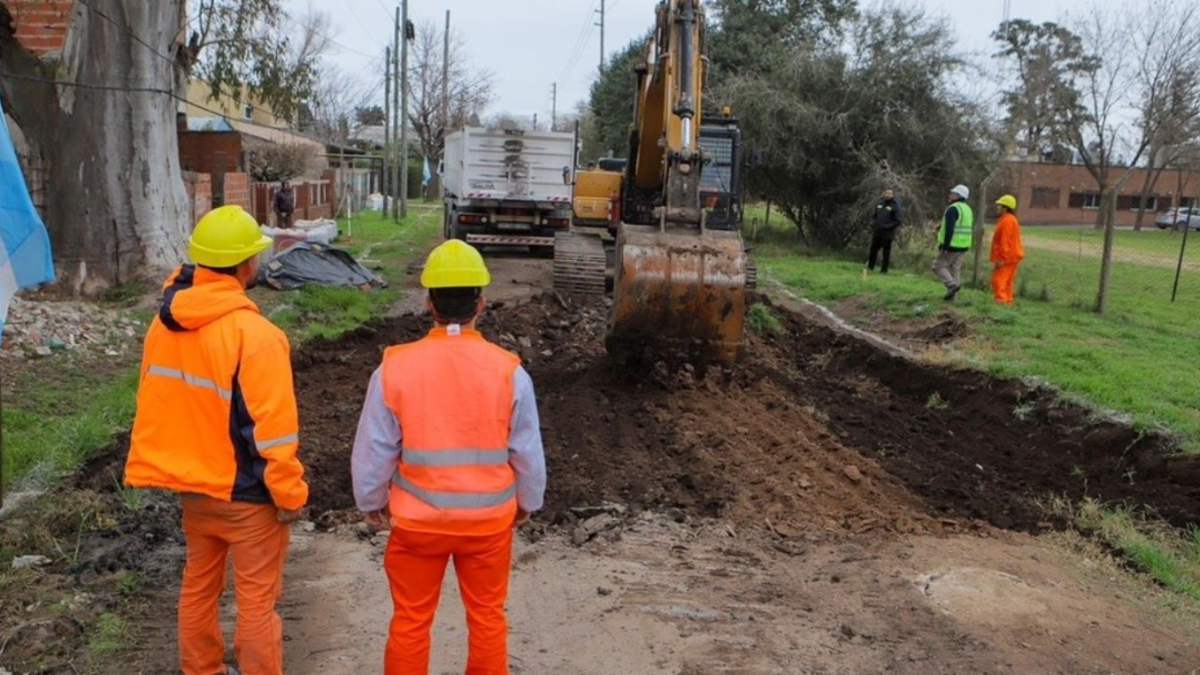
[508, 187]
[678, 269]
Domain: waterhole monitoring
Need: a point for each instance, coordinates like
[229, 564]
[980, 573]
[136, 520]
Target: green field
[1139, 358]
[1150, 240]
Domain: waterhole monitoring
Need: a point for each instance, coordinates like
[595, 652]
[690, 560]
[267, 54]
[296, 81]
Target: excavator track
[579, 264]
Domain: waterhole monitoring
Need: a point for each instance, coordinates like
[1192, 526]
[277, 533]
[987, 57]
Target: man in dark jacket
[887, 221]
[285, 205]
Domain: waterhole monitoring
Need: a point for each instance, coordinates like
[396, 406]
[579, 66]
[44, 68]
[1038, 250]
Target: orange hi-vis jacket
[216, 412]
[453, 397]
[1006, 241]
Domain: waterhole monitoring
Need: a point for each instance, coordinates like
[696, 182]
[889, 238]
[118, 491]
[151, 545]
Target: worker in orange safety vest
[449, 455]
[1007, 252]
[217, 422]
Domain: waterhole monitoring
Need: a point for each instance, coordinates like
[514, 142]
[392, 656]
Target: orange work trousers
[1003, 278]
[415, 564]
[258, 542]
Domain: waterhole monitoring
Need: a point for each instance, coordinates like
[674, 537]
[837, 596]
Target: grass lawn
[379, 244]
[1088, 240]
[1139, 358]
[57, 412]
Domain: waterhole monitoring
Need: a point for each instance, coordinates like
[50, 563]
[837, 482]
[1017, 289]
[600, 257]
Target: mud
[814, 431]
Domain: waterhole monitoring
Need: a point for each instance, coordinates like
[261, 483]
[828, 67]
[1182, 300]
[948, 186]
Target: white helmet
[962, 191]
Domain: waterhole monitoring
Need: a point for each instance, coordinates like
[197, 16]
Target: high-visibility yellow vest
[962, 229]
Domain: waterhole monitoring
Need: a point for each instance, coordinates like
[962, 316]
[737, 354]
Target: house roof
[212, 123]
[274, 135]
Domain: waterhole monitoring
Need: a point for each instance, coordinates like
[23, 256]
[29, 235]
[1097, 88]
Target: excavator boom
[679, 285]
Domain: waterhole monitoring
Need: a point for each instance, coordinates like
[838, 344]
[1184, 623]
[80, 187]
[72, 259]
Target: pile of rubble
[38, 329]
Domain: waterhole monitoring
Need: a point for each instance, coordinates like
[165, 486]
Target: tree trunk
[117, 209]
[1152, 176]
[1108, 218]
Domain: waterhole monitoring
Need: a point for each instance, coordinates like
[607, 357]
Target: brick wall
[313, 200]
[210, 151]
[199, 192]
[237, 190]
[1067, 194]
[41, 24]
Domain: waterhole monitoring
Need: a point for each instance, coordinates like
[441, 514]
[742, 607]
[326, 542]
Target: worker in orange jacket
[449, 455]
[1007, 252]
[217, 422]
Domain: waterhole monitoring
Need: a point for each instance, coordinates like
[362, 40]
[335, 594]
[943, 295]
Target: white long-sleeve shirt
[377, 447]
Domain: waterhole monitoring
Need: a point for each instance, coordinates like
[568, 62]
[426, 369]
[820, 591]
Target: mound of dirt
[813, 432]
[973, 445]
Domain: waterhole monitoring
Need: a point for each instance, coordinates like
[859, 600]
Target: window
[1151, 203]
[247, 111]
[1187, 202]
[1091, 200]
[1045, 198]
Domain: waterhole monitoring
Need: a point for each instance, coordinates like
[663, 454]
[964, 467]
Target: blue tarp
[25, 258]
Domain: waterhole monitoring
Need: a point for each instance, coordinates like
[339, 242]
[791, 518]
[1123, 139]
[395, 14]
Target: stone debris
[42, 329]
[22, 561]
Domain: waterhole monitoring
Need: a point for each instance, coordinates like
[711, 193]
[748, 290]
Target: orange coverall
[217, 422]
[1007, 254]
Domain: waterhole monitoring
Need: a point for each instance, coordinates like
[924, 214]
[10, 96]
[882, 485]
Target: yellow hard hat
[226, 236]
[455, 264]
[1009, 201]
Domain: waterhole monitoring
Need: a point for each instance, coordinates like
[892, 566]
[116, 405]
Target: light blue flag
[25, 258]
[425, 175]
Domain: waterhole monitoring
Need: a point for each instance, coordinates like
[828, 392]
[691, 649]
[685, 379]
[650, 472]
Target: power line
[580, 43]
[147, 90]
[85, 85]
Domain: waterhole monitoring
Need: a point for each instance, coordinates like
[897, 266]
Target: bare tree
[469, 89]
[1169, 77]
[332, 111]
[1126, 101]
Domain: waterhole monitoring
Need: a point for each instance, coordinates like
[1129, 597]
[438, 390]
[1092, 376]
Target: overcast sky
[530, 44]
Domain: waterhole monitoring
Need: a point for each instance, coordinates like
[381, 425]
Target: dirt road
[704, 598]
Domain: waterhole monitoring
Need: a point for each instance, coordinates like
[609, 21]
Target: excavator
[679, 276]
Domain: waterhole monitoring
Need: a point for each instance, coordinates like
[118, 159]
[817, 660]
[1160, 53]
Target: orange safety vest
[453, 398]
[216, 411]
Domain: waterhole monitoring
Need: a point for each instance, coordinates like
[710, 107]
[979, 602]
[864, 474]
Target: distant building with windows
[1067, 194]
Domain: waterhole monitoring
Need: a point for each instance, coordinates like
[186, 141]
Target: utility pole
[402, 151]
[384, 182]
[404, 111]
[601, 24]
[436, 182]
[554, 106]
[446, 76]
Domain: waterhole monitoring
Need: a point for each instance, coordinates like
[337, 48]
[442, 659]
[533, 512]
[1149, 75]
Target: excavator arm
[678, 287]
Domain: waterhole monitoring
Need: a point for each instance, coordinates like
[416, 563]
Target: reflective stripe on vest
[455, 500]
[444, 458]
[963, 229]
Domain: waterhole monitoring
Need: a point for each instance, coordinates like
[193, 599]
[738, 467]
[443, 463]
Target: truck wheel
[446, 222]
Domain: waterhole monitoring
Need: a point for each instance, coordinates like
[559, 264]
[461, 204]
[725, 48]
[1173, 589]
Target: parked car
[1177, 218]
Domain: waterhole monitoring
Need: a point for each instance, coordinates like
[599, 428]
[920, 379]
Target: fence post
[1187, 226]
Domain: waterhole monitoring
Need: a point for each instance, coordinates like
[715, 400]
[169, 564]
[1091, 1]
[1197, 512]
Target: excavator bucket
[678, 292]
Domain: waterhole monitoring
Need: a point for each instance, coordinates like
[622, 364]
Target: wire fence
[1063, 265]
[1154, 269]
